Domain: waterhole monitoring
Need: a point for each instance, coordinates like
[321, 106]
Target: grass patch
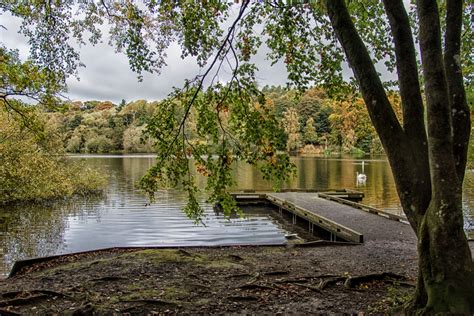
[138, 293]
[394, 301]
[164, 256]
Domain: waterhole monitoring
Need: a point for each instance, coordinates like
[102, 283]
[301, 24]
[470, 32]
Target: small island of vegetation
[32, 162]
[33, 166]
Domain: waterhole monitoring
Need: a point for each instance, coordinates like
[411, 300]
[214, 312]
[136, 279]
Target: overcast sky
[107, 75]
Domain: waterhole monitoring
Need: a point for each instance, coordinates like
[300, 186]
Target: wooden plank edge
[336, 228]
[323, 243]
[318, 220]
[365, 208]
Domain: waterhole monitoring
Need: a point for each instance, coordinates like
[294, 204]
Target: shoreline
[230, 279]
[373, 277]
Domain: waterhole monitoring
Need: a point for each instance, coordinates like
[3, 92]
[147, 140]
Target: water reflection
[320, 173]
[121, 218]
[361, 178]
[36, 230]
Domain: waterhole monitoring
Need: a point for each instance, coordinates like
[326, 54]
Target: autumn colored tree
[134, 140]
[32, 167]
[350, 122]
[291, 125]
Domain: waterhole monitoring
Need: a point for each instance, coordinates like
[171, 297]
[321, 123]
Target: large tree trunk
[445, 263]
[445, 259]
[428, 171]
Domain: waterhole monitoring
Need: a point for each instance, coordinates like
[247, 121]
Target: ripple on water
[124, 220]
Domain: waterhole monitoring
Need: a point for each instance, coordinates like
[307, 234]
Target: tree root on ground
[297, 280]
[312, 288]
[5, 312]
[27, 297]
[242, 298]
[15, 294]
[184, 253]
[108, 279]
[275, 273]
[324, 283]
[325, 280]
[352, 282]
[240, 275]
[269, 273]
[24, 300]
[235, 258]
[255, 286]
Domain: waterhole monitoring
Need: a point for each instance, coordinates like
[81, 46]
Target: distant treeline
[103, 127]
[311, 122]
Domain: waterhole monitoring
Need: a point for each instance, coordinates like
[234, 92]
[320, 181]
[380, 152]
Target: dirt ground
[225, 280]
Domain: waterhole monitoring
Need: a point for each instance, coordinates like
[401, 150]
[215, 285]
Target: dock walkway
[371, 226]
[344, 221]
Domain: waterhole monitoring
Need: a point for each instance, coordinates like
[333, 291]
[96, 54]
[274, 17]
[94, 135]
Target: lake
[123, 218]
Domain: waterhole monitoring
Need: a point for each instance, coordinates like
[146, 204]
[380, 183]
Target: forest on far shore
[311, 122]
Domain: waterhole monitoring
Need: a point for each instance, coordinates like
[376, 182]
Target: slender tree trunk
[461, 120]
[403, 156]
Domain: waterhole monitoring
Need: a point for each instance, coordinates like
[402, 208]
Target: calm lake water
[122, 217]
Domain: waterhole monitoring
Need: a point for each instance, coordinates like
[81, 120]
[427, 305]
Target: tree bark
[445, 259]
[426, 169]
[461, 121]
[412, 104]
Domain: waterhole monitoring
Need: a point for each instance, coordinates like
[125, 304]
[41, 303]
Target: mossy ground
[244, 280]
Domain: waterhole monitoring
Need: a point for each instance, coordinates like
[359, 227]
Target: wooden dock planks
[327, 224]
[345, 219]
[363, 207]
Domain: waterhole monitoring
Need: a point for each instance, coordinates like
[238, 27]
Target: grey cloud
[10, 36]
[107, 75]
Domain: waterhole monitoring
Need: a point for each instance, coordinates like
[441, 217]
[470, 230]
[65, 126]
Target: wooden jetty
[337, 212]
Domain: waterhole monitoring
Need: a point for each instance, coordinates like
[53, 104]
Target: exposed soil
[231, 280]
